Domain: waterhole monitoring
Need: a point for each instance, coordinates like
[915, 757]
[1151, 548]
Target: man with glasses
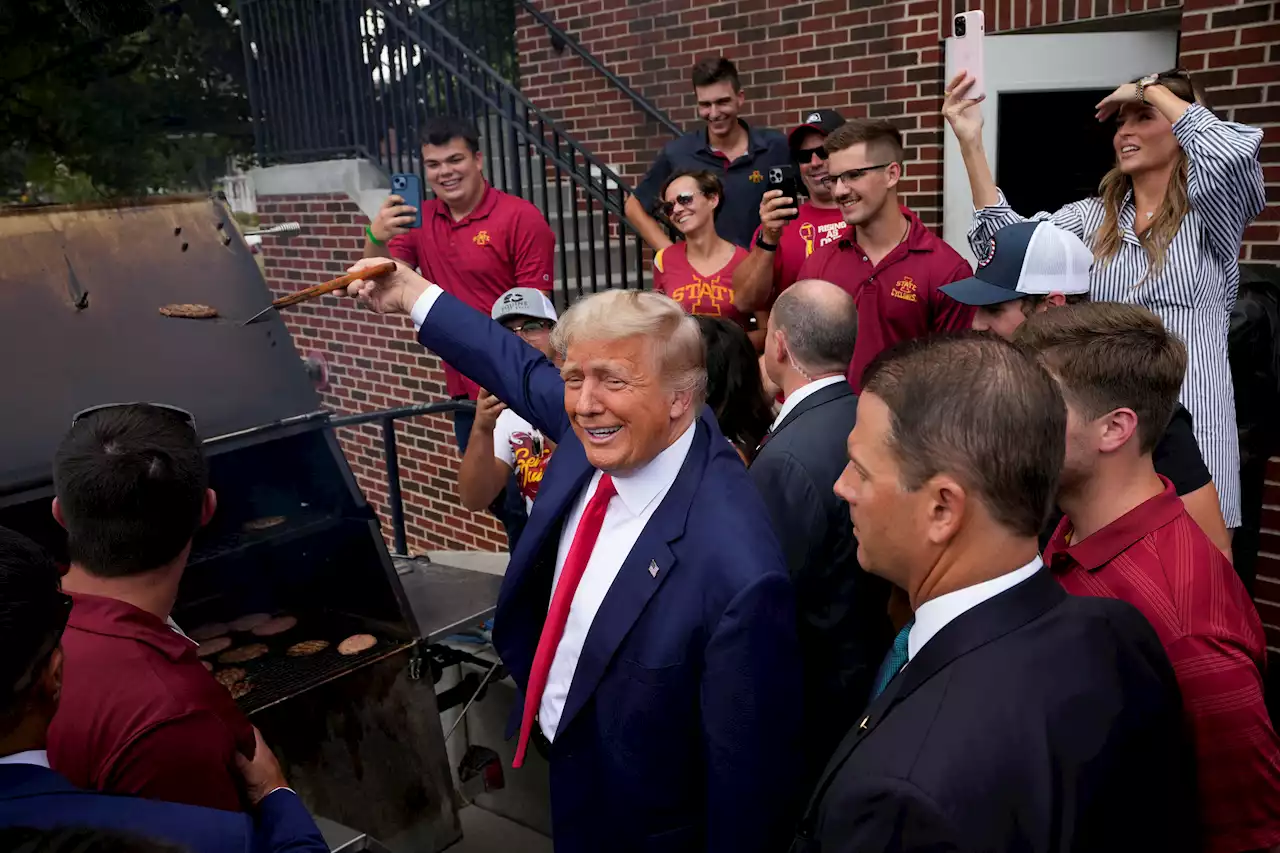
[33, 617]
[140, 715]
[790, 230]
[890, 263]
[504, 446]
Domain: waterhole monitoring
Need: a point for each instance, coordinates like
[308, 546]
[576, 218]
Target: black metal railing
[355, 78]
[391, 453]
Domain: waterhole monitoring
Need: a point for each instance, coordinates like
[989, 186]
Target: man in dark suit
[840, 609]
[1025, 719]
[33, 615]
[646, 614]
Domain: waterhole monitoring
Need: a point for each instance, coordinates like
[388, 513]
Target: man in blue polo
[739, 154]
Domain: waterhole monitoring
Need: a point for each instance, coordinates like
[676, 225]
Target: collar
[109, 617]
[919, 238]
[755, 141]
[37, 757]
[488, 201]
[798, 395]
[937, 613]
[1111, 541]
[638, 488]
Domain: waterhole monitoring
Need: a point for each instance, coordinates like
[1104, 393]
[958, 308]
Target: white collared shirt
[799, 394]
[937, 613]
[640, 492]
[38, 757]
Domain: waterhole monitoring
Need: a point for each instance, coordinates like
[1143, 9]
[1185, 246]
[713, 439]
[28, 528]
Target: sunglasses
[805, 155]
[528, 327]
[186, 417]
[62, 608]
[684, 199]
[852, 176]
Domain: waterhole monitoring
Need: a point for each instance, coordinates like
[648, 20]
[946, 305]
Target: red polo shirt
[139, 713]
[503, 243]
[1160, 561]
[709, 295]
[812, 229]
[897, 299]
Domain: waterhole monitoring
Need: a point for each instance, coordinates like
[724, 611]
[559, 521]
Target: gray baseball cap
[524, 302]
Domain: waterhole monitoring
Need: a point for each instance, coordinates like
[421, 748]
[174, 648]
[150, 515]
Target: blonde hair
[617, 314]
[1173, 209]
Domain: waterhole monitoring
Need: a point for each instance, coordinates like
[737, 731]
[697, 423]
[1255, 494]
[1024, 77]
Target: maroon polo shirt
[899, 298]
[503, 243]
[139, 713]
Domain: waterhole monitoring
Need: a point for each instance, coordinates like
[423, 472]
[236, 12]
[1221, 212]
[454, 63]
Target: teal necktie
[893, 662]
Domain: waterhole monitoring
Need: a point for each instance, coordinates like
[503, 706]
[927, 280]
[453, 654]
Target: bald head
[820, 325]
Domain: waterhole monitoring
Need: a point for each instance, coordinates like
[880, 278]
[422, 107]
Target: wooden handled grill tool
[328, 287]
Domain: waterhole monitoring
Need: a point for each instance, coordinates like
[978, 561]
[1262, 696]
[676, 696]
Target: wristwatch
[768, 247]
[1149, 80]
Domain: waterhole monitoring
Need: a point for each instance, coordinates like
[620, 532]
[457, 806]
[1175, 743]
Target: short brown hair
[975, 407]
[1109, 355]
[708, 72]
[879, 135]
[708, 184]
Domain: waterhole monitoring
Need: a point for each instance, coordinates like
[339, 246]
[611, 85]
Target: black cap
[822, 121]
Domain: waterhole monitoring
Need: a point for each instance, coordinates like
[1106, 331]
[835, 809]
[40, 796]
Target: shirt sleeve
[660, 272]
[1237, 752]
[947, 314]
[989, 220]
[1177, 455]
[1224, 175]
[404, 247]
[534, 251]
[188, 760]
[502, 431]
[659, 171]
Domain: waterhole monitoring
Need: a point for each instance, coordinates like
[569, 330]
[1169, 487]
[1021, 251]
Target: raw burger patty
[275, 626]
[209, 648]
[240, 688]
[230, 675]
[356, 644]
[307, 647]
[210, 631]
[250, 621]
[250, 652]
[189, 310]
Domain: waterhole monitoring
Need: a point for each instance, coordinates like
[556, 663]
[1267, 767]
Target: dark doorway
[1050, 150]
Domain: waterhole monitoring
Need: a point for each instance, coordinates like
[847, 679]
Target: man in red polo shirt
[475, 242]
[888, 261]
[139, 714]
[1127, 535]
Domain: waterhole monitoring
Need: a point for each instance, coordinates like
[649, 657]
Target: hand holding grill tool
[339, 283]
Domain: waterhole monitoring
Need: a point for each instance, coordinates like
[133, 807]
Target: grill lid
[80, 293]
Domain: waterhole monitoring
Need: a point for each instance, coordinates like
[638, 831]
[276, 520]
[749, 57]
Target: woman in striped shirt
[1165, 230]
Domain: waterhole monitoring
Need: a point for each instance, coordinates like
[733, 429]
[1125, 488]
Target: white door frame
[1048, 62]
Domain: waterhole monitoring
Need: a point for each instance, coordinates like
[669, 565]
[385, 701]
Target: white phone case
[968, 50]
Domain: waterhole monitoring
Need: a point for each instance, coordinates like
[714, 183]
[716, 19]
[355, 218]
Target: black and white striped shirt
[1196, 289]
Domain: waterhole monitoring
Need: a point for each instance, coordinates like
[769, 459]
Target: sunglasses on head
[187, 418]
[684, 199]
[62, 612]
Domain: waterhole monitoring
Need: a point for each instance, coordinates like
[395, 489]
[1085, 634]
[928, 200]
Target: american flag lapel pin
[653, 568]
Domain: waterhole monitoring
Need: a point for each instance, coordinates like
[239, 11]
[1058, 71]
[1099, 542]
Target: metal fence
[356, 78]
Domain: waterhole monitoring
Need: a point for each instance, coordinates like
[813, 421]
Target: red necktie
[584, 542]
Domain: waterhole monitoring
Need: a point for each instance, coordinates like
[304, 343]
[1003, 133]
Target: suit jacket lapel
[822, 396]
[636, 583]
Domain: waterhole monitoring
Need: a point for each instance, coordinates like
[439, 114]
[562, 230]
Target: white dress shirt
[38, 757]
[640, 492]
[937, 613]
[799, 394]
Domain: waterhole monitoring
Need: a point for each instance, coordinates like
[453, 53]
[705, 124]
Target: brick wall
[374, 363]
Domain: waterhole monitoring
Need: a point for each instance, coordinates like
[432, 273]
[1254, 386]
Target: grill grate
[275, 676]
[296, 526]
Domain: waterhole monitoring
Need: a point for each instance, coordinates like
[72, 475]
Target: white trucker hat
[524, 302]
[1026, 259]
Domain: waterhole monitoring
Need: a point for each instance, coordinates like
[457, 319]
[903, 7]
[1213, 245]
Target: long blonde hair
[1173, 208]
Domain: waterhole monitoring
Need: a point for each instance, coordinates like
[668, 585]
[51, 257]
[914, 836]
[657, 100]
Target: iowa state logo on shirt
[703, 296]
[482, 239]
[905, 289]
[756, 177]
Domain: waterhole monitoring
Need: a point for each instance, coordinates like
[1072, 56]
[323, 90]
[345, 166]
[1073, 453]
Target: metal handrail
[561, 38]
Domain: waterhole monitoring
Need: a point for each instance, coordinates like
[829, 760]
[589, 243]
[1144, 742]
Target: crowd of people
[828, 542]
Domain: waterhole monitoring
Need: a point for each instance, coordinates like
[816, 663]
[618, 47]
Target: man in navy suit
[1008, 716]
[646, 613]
[33, 615]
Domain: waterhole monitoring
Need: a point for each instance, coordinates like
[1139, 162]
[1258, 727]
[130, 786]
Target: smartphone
[970, 28]
[786, 179]
[409, 187]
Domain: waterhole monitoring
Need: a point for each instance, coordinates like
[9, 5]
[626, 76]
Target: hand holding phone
[785, 180]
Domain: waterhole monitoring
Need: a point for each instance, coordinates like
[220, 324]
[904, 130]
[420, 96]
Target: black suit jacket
[841, 610]
[1034, 722]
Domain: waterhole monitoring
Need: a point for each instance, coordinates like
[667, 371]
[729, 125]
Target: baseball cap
[524, 302]
[823, 121]
[1026, 259]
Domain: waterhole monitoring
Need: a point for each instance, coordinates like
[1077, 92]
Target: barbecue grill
[359, 736]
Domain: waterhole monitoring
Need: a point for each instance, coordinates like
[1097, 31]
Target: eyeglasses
[806, 155]
[62, 611]
[528, 327]
[187, 418]
[852, 176]
[684, 199]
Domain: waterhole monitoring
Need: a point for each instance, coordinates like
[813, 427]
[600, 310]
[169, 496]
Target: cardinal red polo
[897, 299]
[140, 715]
[503, 243]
